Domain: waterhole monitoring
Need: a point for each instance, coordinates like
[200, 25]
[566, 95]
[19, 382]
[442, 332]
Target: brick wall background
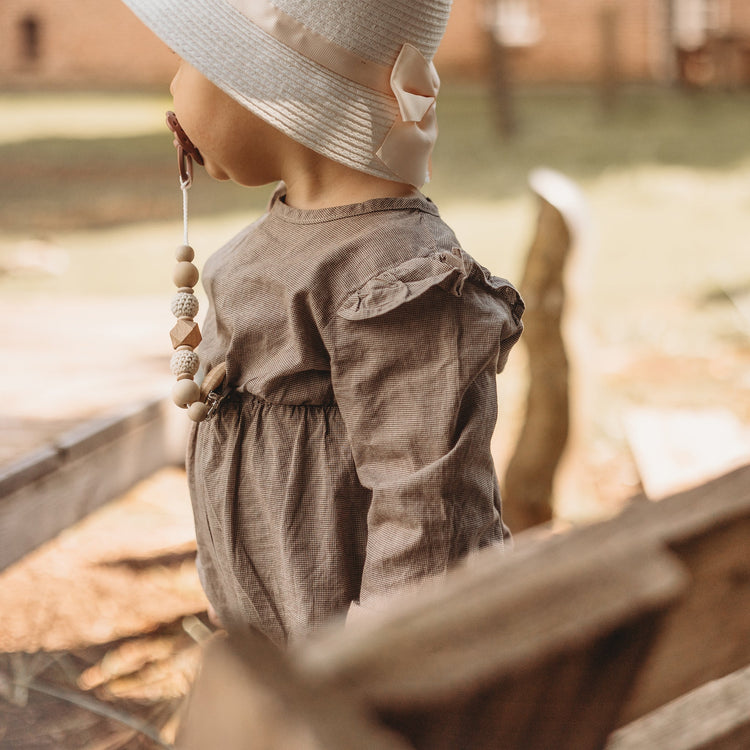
[569, 47]
[101, 43]
[80, 42]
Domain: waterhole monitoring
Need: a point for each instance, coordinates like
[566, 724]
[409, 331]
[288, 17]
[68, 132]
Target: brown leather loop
[181, 139]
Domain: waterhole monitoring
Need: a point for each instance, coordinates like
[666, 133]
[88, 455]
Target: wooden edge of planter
[77, 441]
[60, 483]
[247, 694]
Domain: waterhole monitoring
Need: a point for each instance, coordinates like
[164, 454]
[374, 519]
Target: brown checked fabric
[352, 454]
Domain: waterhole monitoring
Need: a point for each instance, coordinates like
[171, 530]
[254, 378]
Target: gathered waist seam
[234, 394]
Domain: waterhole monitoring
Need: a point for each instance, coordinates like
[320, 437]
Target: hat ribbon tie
[408, 144]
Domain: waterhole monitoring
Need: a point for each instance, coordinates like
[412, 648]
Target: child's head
[350, 79]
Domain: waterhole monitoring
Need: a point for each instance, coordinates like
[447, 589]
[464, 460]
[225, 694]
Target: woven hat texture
[335, 116]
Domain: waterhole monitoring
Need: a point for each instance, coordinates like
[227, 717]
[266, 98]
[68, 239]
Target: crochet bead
[184, 361]
[184, 252]
[184, 305]
[185, 333]
[197, 411]
[185, 274]
[184, 392]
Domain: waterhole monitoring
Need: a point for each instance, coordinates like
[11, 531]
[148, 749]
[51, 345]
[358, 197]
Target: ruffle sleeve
[414, 352]
[411, 279]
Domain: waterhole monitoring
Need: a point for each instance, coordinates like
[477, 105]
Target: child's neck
[317, 182]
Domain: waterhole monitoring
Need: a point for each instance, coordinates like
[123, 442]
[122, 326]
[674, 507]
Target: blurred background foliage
[85, 177]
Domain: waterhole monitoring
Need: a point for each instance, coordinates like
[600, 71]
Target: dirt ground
[100, 632]
[95, 651]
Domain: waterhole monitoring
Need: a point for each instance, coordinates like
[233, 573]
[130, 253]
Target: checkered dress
[352, 454]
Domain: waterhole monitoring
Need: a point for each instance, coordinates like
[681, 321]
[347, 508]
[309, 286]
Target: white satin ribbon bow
[407, 146]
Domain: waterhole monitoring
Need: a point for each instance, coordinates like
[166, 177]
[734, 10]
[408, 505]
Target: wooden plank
[550, 646]
[506, 617]
[247, 696]
[73, 443]
[675, 449]
[715, 716]
[499, 617]
[706, 635]
[88, 466]
[28, 468]
[443, 658]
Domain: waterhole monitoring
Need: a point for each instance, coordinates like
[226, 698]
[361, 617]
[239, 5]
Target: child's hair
[351, 79]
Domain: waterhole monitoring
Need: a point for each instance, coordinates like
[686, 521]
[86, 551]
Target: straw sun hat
[350, 79]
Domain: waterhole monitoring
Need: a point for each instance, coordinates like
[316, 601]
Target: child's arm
[413, 369]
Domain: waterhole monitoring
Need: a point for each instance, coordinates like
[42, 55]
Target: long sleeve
[414, 354]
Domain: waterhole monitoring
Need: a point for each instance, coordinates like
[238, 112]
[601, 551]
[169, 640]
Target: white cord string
[185, 185]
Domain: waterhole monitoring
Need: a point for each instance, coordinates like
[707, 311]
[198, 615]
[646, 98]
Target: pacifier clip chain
[199, 400]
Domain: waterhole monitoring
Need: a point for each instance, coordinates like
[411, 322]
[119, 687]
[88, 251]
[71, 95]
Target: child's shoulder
[448, 268]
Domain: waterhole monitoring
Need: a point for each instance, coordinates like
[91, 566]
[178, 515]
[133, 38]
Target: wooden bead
[214, 379]
[184, 252]
[198, 411]
[184, 392]
[185, 333]
[185, 274]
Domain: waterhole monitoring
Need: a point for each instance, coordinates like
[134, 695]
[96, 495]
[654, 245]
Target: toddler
[356, 343]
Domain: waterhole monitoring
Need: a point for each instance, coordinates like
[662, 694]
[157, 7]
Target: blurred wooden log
[536, 654]
[715, 716]
[248, 697]
[501, 80]
[707, 634]
[467, 634]
[59, 484]
[609, 23]
[553, 646]
[531, 652]
[529, 476]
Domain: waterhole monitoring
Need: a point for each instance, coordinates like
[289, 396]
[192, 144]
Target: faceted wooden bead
[184, 252]
[184, 362]
[198, 411]
[185, 274]
[185, 333]
[184, 305]
[185, 392]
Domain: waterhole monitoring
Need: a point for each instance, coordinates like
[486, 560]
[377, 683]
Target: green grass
[54, 184]
[567, 129]
[93, 179]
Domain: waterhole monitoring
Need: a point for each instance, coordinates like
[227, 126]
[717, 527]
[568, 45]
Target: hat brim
[338, 118]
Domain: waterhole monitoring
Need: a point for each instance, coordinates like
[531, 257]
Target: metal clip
[213, 400]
